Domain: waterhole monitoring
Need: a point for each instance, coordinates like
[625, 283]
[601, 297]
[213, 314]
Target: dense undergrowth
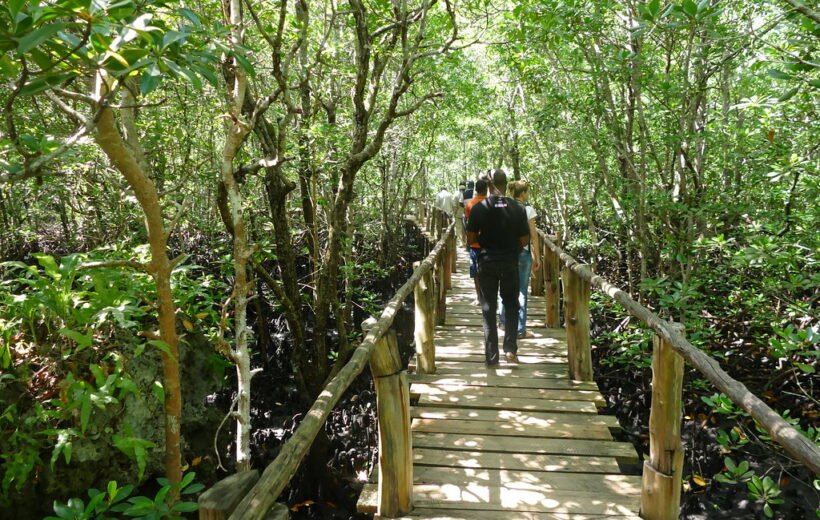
[80, 429]
[751, 306]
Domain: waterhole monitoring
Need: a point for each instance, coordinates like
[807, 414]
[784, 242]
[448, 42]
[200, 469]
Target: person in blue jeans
[528, 259]
[499, 225]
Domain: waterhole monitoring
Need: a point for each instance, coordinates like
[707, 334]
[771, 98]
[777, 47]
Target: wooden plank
[506, 403]
[443, 514]
[560, 419]
[505, 498]
[511, 428]
[518, 461]
[458, 355]
[530, 393]
[530, 348]
[475, 332]
[620, 450]
[466, 367]
[501, 381]
[478, 321]
[545, 481]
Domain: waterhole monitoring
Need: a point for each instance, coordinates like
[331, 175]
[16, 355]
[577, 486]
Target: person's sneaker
[510, 358]
[525, 334]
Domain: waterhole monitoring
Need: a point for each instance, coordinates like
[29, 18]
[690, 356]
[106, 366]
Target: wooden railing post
[425, 326]
[662, 473]
[447, 263]
[393, 411]
[453, 252]
[538, 276]
[576, 305]
[552, 283]
[441, 290]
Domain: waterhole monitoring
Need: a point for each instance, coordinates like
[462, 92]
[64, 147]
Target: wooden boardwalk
[511, 442]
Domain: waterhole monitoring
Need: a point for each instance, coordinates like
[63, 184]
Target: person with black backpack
[499, 225]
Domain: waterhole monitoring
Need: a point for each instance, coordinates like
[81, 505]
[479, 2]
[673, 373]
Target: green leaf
[815, 83]
[163, 346]
[653, 8]
[191, 16]
[83, 340]
[15, 6]
[807, 369]
[703, 5]
[151, 78]
[35, 38]
[193, 488]
[112, 489]
[158, 391]
[185, 507]
[245, 64]
[85, 412]
[690, 8]
[49, 265]
[778, 74]
[182, 72]
[172, 37]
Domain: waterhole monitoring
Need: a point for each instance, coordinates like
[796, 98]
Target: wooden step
[504, 497]
[506, 403]
[559, 370]
[418, 389]
[510, 428]
[519, 461]
[444, 514]
[501, 381]
[622, 451]
[567, 420]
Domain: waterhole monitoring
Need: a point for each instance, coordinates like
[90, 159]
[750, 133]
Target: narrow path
[521, 442]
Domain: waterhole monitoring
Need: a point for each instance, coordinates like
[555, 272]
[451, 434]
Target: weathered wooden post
[453, 252]
[537, 281]
[425, 326]
[576, 305]
[552, 283]
[447, 262]
[662, 473]
[441, 290]
[393, 410]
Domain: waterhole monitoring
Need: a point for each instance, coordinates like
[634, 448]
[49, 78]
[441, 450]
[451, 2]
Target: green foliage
[763, 490]
[117, 502]
[766, 491]
[81, 326]
[734, 473]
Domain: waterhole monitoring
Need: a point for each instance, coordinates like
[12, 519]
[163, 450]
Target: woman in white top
[528, 260]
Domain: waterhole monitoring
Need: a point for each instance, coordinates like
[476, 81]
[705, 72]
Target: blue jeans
[524, 272]
[498, 277]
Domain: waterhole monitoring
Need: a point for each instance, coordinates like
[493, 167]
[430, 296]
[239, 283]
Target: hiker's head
[481, 186]
[499, 181]
[519, 190]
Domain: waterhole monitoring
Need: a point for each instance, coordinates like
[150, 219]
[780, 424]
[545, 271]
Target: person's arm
[472, 237]
[534, 249]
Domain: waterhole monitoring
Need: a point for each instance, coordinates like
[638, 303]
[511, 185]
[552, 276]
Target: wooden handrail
[780, 431]
[279, 472]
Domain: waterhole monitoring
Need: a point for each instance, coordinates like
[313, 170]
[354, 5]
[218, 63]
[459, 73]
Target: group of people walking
[500, 235]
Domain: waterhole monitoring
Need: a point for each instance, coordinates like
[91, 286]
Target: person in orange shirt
[480, 194]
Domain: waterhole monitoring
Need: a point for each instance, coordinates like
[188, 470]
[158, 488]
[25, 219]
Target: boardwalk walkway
[511, 443]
